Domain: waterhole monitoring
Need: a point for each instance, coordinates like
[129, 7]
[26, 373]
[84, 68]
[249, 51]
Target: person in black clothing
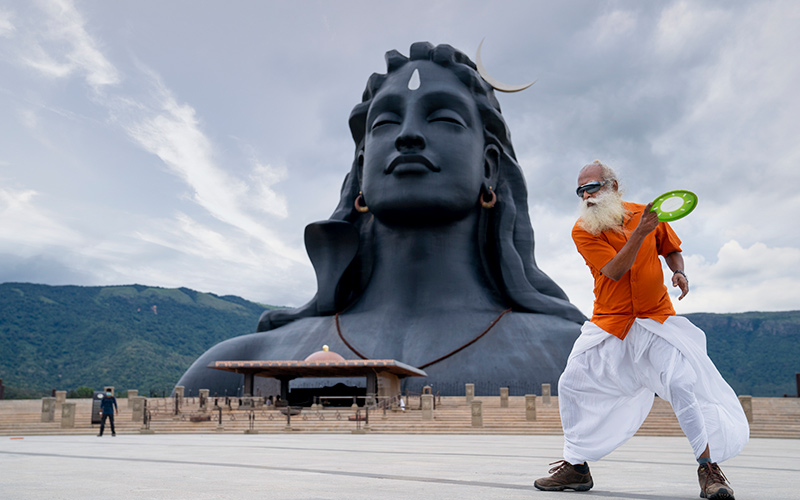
[108, 404]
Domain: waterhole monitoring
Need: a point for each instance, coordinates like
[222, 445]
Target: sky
[188, 143]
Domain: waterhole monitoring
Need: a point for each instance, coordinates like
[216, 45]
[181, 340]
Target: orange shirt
[641, 292]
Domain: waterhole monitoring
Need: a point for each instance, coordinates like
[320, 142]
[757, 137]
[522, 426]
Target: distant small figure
[402, 404]
[108, 404]
[269, 401]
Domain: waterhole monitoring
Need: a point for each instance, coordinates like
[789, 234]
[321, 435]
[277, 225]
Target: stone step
[773, 417]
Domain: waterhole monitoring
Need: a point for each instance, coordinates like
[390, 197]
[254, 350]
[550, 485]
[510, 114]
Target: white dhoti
[607, 389]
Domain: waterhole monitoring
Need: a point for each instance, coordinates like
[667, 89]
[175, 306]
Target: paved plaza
[366, 466]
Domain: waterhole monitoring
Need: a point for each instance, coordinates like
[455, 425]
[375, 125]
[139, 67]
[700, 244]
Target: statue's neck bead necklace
[421, 367]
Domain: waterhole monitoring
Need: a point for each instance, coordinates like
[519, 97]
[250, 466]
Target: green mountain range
[130, 337]
[140, 337]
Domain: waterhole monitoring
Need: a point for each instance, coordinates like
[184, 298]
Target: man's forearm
[623, 261]
[675, 261]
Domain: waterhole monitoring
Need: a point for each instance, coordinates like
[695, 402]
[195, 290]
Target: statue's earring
[492, 201]
[358, 203]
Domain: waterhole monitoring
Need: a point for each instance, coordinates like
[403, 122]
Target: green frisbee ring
[674, 205]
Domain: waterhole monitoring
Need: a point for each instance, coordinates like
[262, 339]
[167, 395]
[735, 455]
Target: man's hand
[675, 263]
[649, 220]
[681, 282]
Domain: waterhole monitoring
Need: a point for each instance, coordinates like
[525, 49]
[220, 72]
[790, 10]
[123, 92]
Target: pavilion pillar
[249, 382]
[285, 389]
[372, 388]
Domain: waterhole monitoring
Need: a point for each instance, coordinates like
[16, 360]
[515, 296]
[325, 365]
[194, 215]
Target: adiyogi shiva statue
[429, 257]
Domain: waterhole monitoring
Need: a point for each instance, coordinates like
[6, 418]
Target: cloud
[147, 127]
[741, 118]
[174, 134]
[60, 47]
[683, 29]
[739, 279]
[557, 256]
[48, 269]
[613, 27]
[24, 225]
[7, 28]
[64, 47]
[755, 278]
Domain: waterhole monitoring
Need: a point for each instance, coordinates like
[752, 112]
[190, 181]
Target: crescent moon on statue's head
[502, 87]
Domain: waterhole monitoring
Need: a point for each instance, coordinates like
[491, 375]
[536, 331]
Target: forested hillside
[758, 353]
[139, 337]
[131, 337]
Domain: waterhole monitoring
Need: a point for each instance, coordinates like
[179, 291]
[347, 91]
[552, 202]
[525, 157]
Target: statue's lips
[411, 164]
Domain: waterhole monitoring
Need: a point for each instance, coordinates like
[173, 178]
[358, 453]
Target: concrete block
[504, 397]
[204, 395]
[747, 406]
[477, 413]
[179, 390]
[132, 393]
[48, 409]
[546, 394]
[67, 415]
[137, 406]
[530, 407]
[427, 406]
[470, 391]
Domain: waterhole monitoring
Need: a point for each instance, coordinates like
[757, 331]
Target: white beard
[606, 213]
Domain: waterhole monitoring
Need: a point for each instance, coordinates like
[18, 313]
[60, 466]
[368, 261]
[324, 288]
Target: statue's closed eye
[385, 119]
[447, 116]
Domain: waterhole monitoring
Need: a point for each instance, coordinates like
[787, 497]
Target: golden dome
[325, 355]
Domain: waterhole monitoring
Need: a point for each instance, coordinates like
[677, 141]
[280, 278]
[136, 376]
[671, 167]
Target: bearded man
[635, 346]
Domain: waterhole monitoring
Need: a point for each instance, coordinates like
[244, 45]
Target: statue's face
[424, 148]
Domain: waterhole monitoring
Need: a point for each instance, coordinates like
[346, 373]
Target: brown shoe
[565, 477]
[713, 483]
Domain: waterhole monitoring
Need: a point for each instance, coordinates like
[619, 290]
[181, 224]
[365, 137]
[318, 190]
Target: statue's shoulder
[302, 327]
[539, 323]
[295, 340]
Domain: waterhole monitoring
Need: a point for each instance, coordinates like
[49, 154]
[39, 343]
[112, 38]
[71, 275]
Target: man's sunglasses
[590, 187]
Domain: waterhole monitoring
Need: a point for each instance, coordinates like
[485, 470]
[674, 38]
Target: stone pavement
[366, 466]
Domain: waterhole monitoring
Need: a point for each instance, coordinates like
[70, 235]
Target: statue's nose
[409, 142]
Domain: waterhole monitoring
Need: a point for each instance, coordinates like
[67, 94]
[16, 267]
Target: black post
[220, 415]
[146, 417]
[796, 379]
[2, 388]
